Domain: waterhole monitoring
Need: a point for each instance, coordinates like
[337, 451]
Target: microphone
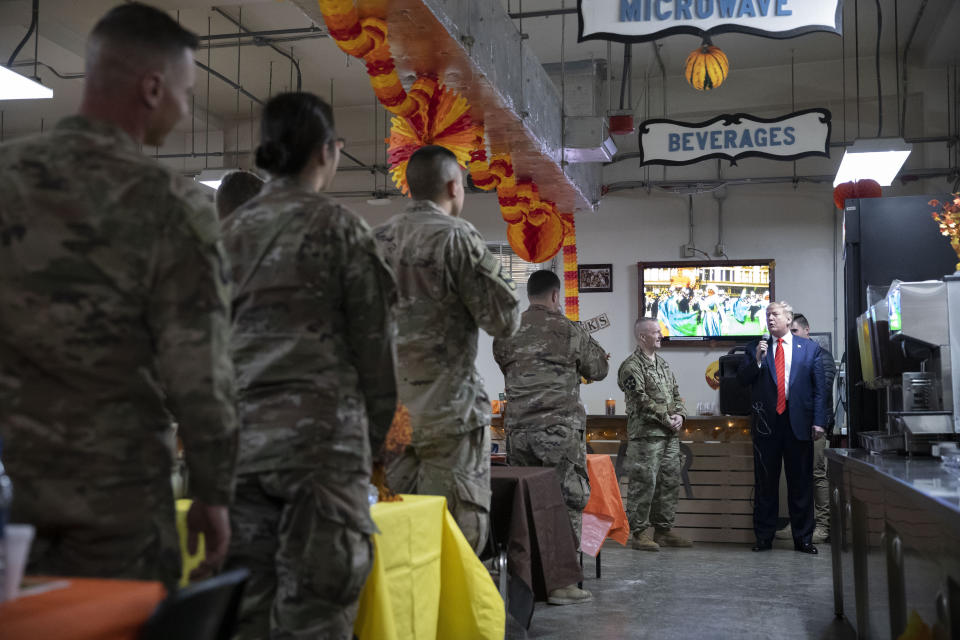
[765, 338]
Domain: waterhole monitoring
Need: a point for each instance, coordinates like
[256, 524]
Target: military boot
[643, 542]
[821, 534]
[571, 594]
[670, 539]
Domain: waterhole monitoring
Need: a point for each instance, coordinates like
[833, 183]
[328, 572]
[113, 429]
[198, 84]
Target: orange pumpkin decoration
[706, 67]
[859, 189]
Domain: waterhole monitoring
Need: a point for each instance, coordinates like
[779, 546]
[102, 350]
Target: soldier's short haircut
[784, 306]
[801, 321]
[642, 320]
[142, 28]
[429, 170]
[236, 188]
[293, 126]
[542, 283]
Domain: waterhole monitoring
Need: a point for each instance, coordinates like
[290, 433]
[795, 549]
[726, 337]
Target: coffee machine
[920, 360]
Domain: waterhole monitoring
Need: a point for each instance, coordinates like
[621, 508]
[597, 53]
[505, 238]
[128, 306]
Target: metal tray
[881, 441]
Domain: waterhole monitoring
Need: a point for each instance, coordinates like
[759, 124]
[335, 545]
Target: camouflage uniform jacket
[652, 395]
[114, 311]
[312, 339]
[542, 365]
[448, 284]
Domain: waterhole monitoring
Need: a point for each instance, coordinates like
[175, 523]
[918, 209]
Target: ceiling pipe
[296, 65]
[704, 186]
[62, 76]
[542, 14]
[315, 31]
[34, 16]
[906, 50]
[949, 140]
[256, 42]
[223, 78]
[231, 83]
[371, 168]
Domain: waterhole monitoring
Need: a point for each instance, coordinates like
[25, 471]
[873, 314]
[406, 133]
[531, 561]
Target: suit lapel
[799, 351]
[771, 360]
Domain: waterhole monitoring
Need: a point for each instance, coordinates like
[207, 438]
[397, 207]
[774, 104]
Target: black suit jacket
[806, 387]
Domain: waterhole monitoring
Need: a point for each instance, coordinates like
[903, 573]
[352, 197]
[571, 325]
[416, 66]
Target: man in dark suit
[789, 412]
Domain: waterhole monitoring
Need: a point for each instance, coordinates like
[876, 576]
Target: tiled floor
[713, 591]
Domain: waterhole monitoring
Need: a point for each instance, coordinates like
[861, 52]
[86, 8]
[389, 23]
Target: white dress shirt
[787, 358]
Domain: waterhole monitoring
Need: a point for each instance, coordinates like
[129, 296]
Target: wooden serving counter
[695, 428]
[717, 475]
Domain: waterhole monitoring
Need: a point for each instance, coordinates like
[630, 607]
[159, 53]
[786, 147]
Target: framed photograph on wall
[595, 278]
[824, 339]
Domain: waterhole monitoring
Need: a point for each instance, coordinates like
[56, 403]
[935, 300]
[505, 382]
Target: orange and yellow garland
[571, 282]
[431, 113]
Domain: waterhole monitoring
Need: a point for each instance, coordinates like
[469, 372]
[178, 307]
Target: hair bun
[272, 157]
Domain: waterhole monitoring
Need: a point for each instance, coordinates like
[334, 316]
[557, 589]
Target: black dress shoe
[805, 547]
[763, 545]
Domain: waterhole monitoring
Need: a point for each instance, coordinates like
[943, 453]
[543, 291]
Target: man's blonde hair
[784, 306]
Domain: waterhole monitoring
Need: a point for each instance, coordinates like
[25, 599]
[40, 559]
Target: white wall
[794, 227]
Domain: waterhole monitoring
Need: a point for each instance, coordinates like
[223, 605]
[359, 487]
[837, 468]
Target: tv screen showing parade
[710, 300]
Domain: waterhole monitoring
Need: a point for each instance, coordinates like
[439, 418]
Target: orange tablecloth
[87, 609]
[605, 503]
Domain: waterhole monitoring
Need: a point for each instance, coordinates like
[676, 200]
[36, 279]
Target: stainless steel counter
[895, 532]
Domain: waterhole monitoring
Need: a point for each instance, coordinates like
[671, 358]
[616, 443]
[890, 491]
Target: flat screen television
[716, 300]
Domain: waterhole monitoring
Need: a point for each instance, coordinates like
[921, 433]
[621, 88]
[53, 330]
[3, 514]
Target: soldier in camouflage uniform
[114, 321]
[313, 346]
[542, 365]
[545, 422]
[655, 414]
[448, 284]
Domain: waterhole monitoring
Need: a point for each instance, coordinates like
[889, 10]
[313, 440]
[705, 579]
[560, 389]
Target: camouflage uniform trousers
[100, 527]
[457, 468]
[654, 466]
[565, 450]
[306, 571]
[821, 486]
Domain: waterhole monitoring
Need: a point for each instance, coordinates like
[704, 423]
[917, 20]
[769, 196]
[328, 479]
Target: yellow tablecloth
[426, 581]
[188, 562]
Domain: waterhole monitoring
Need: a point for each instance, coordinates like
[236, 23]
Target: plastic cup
[16, 541]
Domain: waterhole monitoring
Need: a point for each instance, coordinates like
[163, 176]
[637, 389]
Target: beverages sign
[730, 137]
[642, 20]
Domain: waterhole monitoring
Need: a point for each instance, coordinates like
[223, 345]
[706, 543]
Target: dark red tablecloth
[530, 521]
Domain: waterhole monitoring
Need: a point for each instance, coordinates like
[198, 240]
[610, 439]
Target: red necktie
[781, 374]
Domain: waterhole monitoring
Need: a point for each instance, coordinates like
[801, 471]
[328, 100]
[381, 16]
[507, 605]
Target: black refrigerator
[884, 239]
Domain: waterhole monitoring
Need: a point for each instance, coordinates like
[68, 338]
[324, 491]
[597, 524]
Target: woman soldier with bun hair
[312, 346]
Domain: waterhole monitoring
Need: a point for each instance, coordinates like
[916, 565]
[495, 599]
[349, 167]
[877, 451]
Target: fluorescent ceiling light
[14, 86]
[602, 153]
[878, 159]
[213, 177]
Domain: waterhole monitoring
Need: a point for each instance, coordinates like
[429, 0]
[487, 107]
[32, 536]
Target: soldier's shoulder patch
[630, 383]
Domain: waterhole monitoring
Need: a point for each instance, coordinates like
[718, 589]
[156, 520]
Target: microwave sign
[642, 20]
[798, 135]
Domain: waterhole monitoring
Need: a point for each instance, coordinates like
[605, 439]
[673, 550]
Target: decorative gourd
[706, 67]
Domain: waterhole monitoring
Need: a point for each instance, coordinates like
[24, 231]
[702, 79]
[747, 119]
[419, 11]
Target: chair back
[205, 610]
